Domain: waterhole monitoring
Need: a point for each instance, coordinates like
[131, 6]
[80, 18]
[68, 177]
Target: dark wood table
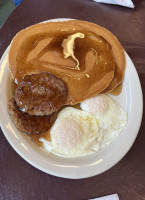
[18, 179]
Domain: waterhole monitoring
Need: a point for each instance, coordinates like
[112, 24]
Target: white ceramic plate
[81, 167]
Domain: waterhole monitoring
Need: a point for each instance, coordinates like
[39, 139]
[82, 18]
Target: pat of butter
[68, 47]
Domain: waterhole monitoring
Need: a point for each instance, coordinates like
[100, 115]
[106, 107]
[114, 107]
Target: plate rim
[75, 175]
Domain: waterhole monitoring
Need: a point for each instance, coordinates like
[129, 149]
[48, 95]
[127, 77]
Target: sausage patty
[29, 123]
[40, 94]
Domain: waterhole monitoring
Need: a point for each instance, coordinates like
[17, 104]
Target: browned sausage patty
[28, 123]
[40, 94]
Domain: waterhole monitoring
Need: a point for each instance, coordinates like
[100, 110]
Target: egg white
[111, 116]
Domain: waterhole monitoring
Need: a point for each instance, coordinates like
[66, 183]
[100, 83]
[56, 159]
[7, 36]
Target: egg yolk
[68, 132]
[97, 105]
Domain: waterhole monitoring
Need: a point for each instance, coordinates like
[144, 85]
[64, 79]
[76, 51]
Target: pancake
[117, 50]
[39, 49]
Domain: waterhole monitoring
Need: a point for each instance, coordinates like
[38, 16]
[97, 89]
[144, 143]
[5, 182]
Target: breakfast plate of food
[68, 98]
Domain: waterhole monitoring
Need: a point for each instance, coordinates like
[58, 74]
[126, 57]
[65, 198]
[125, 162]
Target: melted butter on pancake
[68, 47]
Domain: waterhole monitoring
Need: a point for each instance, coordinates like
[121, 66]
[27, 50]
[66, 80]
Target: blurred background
[6, 8]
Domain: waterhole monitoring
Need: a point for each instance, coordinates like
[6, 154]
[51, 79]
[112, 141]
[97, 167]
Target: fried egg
[74, 133]
[111, 116]
[81, 132]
